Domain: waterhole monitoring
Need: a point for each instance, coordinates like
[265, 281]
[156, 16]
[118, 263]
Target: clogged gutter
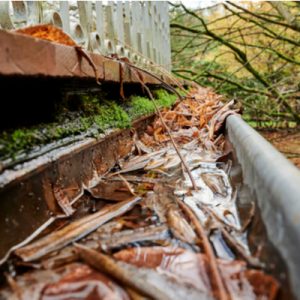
[144, 230]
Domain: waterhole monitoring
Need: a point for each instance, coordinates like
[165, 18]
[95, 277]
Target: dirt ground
[287, 141]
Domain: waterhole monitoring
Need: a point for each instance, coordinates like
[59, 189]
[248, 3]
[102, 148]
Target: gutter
[275, 182]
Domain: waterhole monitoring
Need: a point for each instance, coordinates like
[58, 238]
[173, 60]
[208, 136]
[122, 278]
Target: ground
[287, 141]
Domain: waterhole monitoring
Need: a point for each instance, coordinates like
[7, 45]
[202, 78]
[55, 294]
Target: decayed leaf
[156, 285]
[84, 283]
[63, 201]
[111, 190]
[74, 281]
[74, 231]
[191, 268]
[48, 32]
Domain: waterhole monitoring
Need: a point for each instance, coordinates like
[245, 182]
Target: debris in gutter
[152, 232]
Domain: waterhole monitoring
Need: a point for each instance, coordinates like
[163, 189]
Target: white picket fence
[138, 30]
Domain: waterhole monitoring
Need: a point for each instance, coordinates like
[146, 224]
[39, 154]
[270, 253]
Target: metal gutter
[47, 59]
[29, 193]
[276, 184]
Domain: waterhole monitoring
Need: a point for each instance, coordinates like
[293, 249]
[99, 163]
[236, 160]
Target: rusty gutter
[48, 59]
[276, 184]
[27, 192]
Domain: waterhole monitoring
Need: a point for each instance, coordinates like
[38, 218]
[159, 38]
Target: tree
[247, 51]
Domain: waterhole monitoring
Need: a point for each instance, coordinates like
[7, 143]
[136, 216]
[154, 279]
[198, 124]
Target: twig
[160, 67]
[208, 250]
[169, 133]
[84, 54]
[251, 261]
[136, 179]
[142, 280]
[107, 265]
[173, 141]
[134, 295]
[140, 70]
[130, 189]
[250, 217]
[210, 212]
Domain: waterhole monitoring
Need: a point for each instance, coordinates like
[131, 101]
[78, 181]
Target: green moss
[164, 99]
[26, 138]
[112, 115]
[140, 106]
[88, 114]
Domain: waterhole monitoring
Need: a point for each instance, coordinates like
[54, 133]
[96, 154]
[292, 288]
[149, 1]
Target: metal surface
[29, 192]
[44, 58]
[276, 184]
[136, 29]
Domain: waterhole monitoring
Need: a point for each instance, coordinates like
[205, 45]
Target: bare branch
[287, 25]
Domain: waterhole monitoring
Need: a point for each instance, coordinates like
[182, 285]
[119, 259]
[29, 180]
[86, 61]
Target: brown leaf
[48, 32]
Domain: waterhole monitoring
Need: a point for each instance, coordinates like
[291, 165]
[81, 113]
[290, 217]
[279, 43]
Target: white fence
[138, 30]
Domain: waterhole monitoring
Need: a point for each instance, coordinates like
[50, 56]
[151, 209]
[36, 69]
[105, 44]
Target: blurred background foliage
[248, 51]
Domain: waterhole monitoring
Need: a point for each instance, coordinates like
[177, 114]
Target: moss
[86, 123]
[112, 115]
[164, 99]
[87, 114]
[140, 106]
[26, 138]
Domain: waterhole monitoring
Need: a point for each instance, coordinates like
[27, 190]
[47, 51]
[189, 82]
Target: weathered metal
[31, 187]
[276, 184]
[113, 27]
[43, 58]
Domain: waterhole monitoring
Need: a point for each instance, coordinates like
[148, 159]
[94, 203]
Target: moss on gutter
[90, 114]
[140, 106]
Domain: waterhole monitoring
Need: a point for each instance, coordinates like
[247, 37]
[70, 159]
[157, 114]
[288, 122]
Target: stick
[84, 54]
[250, 217]
[170, 135]
[251, 261]
[145, 281]
[130, 189]
[208, 250]
[136, 179]
[166, 85]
